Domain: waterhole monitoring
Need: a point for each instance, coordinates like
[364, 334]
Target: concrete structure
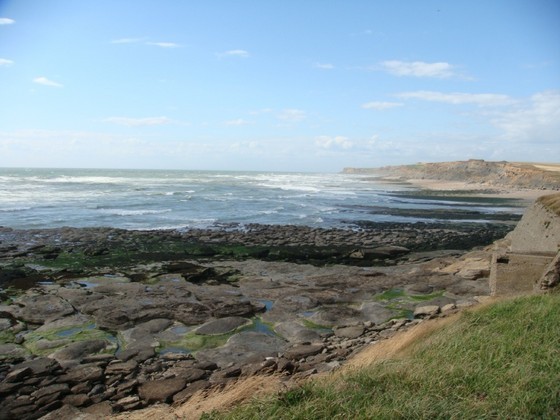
[527, 259]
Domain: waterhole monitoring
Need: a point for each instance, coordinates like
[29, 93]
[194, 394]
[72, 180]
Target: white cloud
[126, 40]
[459, 98]
[234, 53]
[164, 44]
[7, 21]
[537, 120]
[291, 115]
[137, 122]
[237, 122]
[337, 142]
[4, 62]
[379, 106]
[46, 82]
[440, 70]
[324, 66]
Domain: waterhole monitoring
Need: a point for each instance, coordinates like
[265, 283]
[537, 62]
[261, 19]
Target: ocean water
[147, 199]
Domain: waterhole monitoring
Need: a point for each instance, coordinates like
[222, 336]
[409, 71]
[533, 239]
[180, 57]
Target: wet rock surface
[106, 320]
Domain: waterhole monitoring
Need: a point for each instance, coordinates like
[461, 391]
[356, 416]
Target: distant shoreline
[477, 189]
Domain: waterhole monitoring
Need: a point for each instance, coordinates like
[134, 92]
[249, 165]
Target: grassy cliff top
[499, 361]
[551, 202]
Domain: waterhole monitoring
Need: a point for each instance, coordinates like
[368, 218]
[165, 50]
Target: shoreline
[475, 189]
[150, 317]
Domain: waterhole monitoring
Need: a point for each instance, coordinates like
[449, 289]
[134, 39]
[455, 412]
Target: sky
[312, 86]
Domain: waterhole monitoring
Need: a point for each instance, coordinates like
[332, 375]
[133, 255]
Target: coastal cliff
[492, 174]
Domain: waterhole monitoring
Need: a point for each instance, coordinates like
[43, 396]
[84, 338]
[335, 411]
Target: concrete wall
[537, 231]
[514, 274]
[520, 261]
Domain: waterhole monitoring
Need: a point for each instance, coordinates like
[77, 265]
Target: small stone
[102, 409]
[18, 374]
[129, 403]
[190, 390]
[117, 367]
[424, 311]
[78, 400]
[161, 390]
[448, 307]
[82, 373]
[349, 332]
[97, 389]
[51, 389]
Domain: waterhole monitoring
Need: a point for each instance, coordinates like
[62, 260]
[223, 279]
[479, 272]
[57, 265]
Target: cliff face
[506, 174]
[528, 258]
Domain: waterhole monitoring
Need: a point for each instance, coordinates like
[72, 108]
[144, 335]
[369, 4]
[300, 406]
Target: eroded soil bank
[106, 320]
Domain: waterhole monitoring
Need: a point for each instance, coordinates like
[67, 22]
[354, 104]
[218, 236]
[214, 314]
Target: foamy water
[139, 199]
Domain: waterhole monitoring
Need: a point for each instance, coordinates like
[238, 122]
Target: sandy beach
[478, 189]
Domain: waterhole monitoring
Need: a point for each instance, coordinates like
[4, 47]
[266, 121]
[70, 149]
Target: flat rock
[190, 390]
[470, 268]
[82, 373]
[17, 375]
[74, 320]
[51, 389]
[349, 332]
[75, 352]
[41, 365]
[294, 332]
[151, 327]
[243, 347]
[39, 309]
[116, 368]
[11, 351]
[222, 325]
[303, 351]
[161, 390]
[190, 374]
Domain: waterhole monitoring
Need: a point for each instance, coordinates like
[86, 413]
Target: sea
[176, 199]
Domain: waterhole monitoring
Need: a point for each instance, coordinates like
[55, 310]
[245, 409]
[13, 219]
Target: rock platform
[108, 320]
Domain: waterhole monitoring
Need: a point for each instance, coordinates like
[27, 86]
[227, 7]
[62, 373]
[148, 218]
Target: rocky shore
[105, 320]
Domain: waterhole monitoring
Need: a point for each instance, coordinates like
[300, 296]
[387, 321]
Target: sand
[478, 189]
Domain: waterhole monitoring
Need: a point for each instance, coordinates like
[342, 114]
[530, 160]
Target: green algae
[400, 301]
[315, 326]
[57, 338]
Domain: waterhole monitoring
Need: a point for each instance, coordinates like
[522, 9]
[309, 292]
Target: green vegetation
[42, 343]
[401, 302]
[314, 326]
[551, 202]
[7, 336]
[500, 361]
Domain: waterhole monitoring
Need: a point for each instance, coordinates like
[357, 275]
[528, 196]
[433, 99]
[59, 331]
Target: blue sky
[277, 86]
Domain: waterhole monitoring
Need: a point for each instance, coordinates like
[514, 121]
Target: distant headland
[502, 174]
